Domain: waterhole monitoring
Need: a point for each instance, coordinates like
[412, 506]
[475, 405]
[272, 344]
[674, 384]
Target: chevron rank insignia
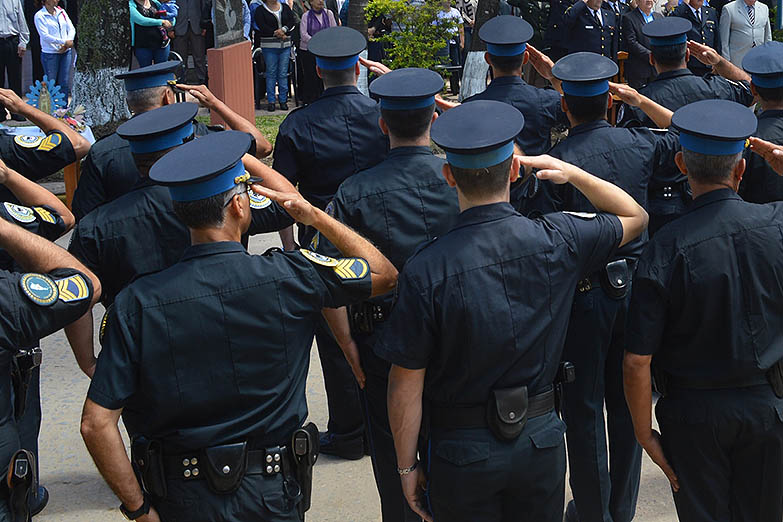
[73, 288]
[28, 142]
[351, 268]
[314, 242]
[317, 258]
[45, 215]
[102, 329]
[258, 201]
[51, 142]
[20, 213]
[39, 289]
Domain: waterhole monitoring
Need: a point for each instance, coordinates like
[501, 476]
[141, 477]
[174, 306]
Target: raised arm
[720, 65]
[543, 65]
[34, 195]
[660, 115]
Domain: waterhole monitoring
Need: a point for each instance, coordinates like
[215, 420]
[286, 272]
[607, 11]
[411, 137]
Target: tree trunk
[356, 21]
[474, 73]
[104, 50]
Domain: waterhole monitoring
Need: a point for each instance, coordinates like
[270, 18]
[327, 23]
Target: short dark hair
[144, 100]
[205, 213]
[770, 94]
[144, 162]
[507, 64]
[669, 55]
[335, 78]
[408, 124]
[707, 168]
[587, 108]
[488, 181]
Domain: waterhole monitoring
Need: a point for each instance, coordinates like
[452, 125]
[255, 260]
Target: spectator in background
[314, 20]
[246, 25]
[456, 41]
[30, 8]
[190, 33]
[149, 40]
[704, 20]
[344, 13]
[638, 70]
[744, 24]
[57, 33]
[467, 9]
[275, 21]
[13, 44]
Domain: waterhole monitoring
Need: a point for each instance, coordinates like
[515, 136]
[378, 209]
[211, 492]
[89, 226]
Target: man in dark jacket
[638, 70]
[191, 31]
[705, 29]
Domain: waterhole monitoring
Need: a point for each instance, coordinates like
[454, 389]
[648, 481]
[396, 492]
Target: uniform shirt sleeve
[340, 281]
[667, 145]
[36, 158]
[84, 246]
[593, 237]
[409, 336]
[116, 374]
[267, 215]
[336, 209]
[648, 308]
[43, 221]
[285, 158]
[89, 192]
[730, 90]
[23, 321]
[551, 104]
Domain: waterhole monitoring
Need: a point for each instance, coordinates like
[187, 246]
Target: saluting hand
[443, 104]
[704, 53]
[11, 100]
[627, 94]
[293, 202]
[375, 67]
[414, 484]
[201, 93]
[541, 63]
[654, 449]
[553, 169]
[772, 154]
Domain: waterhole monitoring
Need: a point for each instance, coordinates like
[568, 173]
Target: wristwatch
[133, 515]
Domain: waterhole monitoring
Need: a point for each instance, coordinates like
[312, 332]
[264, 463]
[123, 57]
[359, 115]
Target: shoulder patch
[317, 258]
[51, 142]
[20, 213]
[45, 215]
[73, 288]
[583, 215]
[351, 268]
[28, 142]
[257, 201]
[330, 208]
[39, 289]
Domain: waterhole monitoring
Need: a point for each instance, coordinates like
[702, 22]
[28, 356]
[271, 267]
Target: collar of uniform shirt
[597, 14]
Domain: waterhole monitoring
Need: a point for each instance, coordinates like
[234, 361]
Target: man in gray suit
[744, 24]
[190, 32]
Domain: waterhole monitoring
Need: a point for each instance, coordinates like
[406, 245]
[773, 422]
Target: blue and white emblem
[258, 201]
[73, 288]
[28, 142]
[20, 213]
[318, 259]
[39, 289]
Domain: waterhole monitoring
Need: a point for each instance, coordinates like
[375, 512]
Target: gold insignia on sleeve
[28, 142]
[45, 215]
[319, 259]
[102, 329]
[73, 288]
[351, 268]
[51, 142]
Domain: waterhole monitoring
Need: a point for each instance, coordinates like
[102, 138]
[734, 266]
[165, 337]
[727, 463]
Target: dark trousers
[195, 44]
[11, 64]
[34, 48]
[394, 507]
[345, 414]
[30, 424]
[9, 431]
[726, 447]
[663, 210]
[605, 487]
[310, 84]
[473, 476]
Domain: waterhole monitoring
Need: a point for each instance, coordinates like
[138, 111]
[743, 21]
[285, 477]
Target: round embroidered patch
[317, 258]
[258, 201]
[20, 213]
[28, 142]
[39, 289]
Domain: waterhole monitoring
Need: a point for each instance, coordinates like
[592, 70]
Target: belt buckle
[190, 470]
[273, 461]
[667, 192]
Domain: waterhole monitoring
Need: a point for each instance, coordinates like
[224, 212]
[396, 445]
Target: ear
[318, 71]
[169, 98]
[513, 174]
[680, 161]
[563, 104]
[434, 117]
[237, 207]
[687, 54]
[383, 126]
[651, 59]
[487, 59]
[357, 69]
[448, 176]
[525, 58]
[609, 102]
[753, 89]
[738, 171]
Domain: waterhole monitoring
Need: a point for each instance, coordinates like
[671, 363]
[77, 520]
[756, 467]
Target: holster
[507, 412]
[225, 467]
[23, 364]
[147, 461]
[775, 378]
[566, 373]
[305, 445]
[22, 481]
[615, 279]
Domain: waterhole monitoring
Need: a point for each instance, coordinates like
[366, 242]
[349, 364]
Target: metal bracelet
[405, 471]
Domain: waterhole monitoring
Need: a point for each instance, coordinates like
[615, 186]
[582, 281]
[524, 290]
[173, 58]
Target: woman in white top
[57, 34]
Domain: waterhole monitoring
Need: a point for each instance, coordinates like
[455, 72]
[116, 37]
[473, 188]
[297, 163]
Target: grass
[268, 125]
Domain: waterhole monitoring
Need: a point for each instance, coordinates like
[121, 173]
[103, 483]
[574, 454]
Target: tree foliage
[420, 32]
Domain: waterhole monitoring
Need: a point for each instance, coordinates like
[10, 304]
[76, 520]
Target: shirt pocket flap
[462, 453]
[549, 437]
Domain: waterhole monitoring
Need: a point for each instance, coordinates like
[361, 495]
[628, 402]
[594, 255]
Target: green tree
[421, 31]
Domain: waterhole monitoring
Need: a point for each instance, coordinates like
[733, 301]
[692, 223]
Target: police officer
[589, 26]
[53, 290]
[211, 392]
[42, 213]
[555, 39]
[674, 87]
[479, 325]
[399, 204]
[317, 148]
[138, 233]
[595, 339]
[704, 30]
[109, 170]
[761, 184]
[706, 290]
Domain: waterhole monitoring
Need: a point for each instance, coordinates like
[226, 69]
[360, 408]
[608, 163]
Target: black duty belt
[189, 466]
[463, 417]
[669, 191]
[594, 280]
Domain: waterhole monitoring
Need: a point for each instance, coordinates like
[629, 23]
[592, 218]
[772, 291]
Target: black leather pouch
[225, 466]
[507, 412]
[615, 279]
[147, 459]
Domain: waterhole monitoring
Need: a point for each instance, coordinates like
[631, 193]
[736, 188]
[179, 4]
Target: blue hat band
[407, 105]
[217, 185]
[767, 82]
[506, 50]
[146, 82]
[709, 146]
[336, 65]
[480, 161]
[586, 89]
[669, 40]
[166, 141]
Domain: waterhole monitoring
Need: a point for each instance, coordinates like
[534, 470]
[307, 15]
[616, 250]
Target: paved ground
[343, 491]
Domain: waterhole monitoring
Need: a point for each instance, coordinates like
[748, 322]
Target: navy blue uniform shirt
[216, 348]
[43, 221]
[584, 32]
[708, 291]
[487, 304]
[761, 184]
[35, 157]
